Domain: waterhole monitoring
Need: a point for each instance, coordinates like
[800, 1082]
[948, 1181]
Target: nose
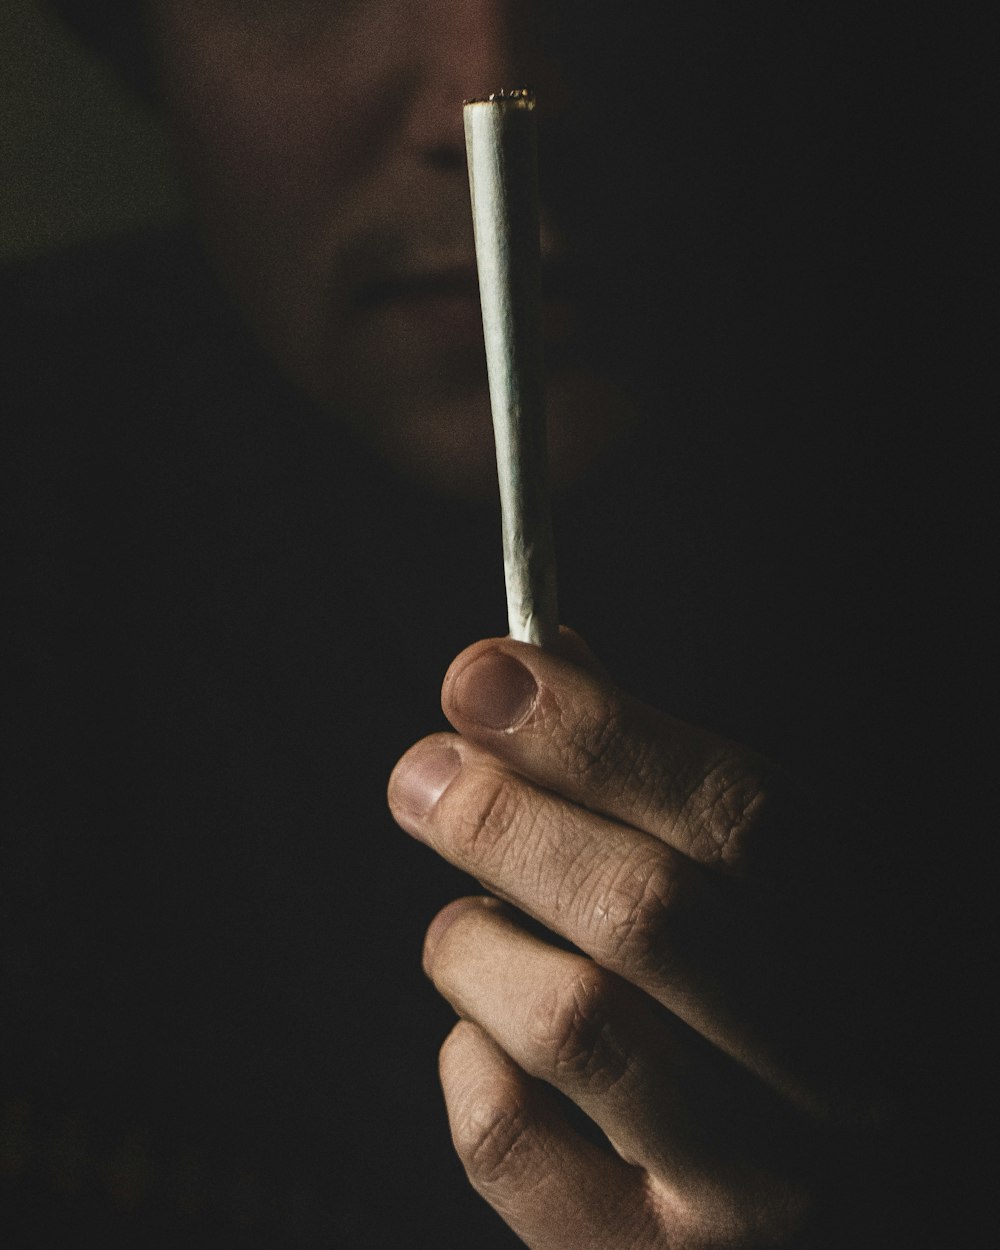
[472, 48]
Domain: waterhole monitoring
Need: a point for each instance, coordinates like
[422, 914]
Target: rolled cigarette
[500, 138]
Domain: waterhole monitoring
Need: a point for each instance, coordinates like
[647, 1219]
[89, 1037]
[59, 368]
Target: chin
[447, 444]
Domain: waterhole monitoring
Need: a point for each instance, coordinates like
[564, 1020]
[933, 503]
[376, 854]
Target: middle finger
[612, 890]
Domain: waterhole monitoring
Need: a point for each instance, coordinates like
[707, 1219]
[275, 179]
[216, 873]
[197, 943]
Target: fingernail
[495, 691]
[422, 779]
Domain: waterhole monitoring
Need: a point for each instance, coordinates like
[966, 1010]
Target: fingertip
[463, 1052]
[447, 916]
[435, 747]
[494, 683]
[490, 686]
[465, 657]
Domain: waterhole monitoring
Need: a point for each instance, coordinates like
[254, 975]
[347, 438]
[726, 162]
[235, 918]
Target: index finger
[574, 731]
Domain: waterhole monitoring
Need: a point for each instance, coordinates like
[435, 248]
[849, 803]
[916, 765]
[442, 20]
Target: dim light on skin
[324, 151]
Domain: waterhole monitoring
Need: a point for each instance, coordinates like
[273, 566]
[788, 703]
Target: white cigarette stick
[500, 138]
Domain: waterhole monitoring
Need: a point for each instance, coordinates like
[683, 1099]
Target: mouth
[459, 285]
[446, 303]
[427, 314]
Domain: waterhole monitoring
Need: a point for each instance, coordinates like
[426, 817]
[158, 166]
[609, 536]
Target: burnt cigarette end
[519, 97]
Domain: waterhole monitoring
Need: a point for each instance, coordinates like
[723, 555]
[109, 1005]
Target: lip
[447, 301]
[430, 315]
[447, 285]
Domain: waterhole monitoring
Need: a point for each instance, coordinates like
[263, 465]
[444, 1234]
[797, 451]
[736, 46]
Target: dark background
[81, 157]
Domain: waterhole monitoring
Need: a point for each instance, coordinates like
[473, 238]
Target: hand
[705, 1007]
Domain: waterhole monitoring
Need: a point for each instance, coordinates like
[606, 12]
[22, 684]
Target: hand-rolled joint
[501, 143]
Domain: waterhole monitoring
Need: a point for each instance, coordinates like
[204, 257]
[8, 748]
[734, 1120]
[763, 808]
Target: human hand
[707, 1008]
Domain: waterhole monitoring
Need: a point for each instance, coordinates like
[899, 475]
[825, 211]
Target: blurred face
[323, 144]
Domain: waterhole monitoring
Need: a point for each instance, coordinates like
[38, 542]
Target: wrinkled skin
[704, 1009]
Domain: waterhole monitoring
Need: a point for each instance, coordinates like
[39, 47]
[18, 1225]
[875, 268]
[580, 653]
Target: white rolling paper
[500, 135]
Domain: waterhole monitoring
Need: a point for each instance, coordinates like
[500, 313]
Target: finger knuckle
[724, 813]
[493, 1138]
[484, 822]
[571, 1031]
[637, 912]
[596, 749]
